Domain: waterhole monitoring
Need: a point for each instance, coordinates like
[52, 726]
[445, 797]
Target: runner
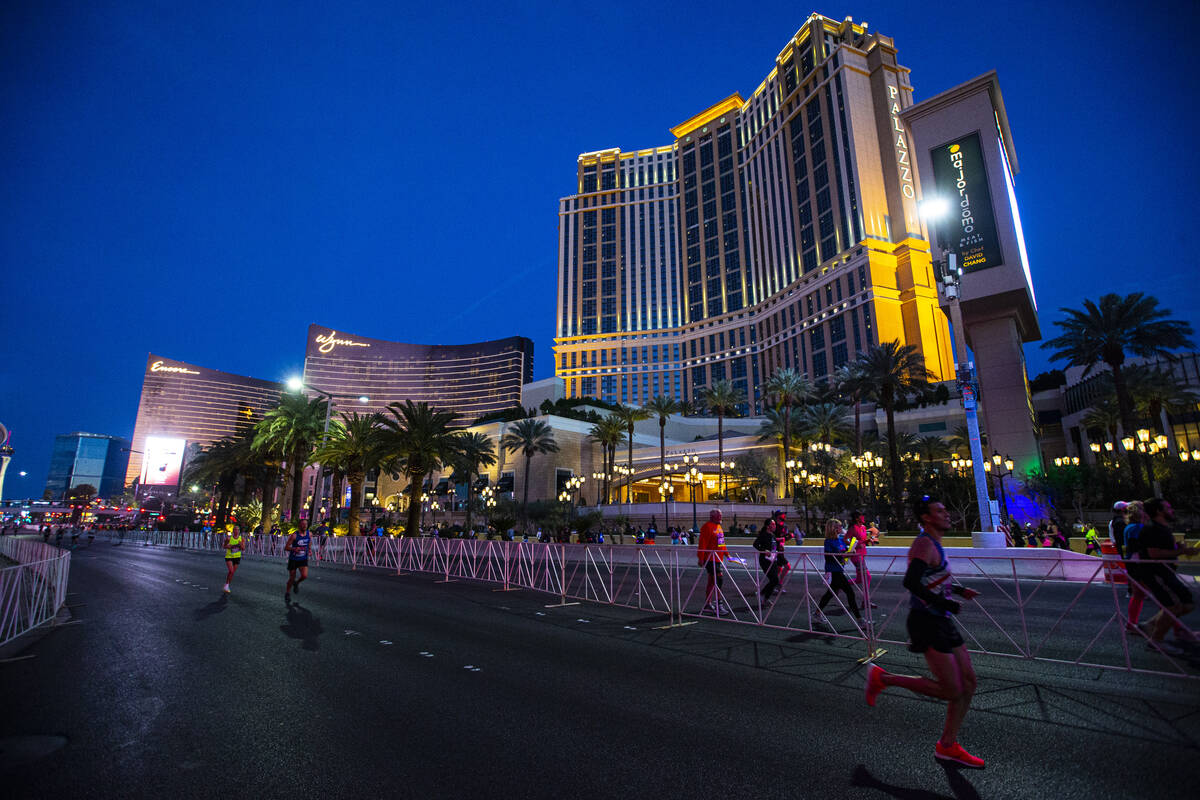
[835, 569]
[233, 552]
[297, 547]
[858, 554]
[710, 552]
[932, 631]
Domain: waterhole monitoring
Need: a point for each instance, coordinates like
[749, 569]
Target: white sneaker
[227, 588]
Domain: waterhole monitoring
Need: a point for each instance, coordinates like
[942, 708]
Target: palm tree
[294, 427]
[722, 398]
[218, 465]
[628, 416]
[889, 372]
[608, 433]
[662, 407]
[421, 439]
[825, 422]
[932, 448]
[357, 444]
[849, 383]
[270, 453]
[530, 436]
[787, 388]
[1108, 331]
[1104, 415]
[475, 450]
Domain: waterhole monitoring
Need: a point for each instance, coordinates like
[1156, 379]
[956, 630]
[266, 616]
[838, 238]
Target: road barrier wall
[34, 589]
[1036, 605]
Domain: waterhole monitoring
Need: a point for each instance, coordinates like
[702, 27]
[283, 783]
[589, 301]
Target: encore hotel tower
[779, 231]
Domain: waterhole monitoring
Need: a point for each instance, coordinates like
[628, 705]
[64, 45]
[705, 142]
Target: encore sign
[960, 177]
[159, 366]
[328, 341]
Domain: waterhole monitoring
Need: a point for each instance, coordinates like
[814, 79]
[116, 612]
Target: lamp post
[1002, 467]
[694, 478]
[934, 211]
[667, 490]
[598, 477]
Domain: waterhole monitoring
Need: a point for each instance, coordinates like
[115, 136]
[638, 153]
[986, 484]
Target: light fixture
[1008, 464]
[1143, 434]
[294, 384]
[1161, 441]
[1094, 447]
[1127, 442]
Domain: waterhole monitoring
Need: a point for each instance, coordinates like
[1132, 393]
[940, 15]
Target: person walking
[233, 552]
[835, 571]
[859, 536]
[1116, 526]
[1091, 541]
[932, 631]
[772, 560]
[297, 547]
[710, 553]
[1135, 518]
[1156, 543]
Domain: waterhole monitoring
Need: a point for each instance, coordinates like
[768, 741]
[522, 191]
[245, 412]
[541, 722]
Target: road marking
[384, 641]
[630, 628]
[472, 668]
[580, 619]
[425, 653]
[17, 658]
[541, 613]
[348, 632]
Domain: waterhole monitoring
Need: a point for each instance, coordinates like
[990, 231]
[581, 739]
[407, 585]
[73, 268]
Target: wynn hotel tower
[775, 231]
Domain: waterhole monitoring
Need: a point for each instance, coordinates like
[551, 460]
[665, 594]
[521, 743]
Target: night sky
[204, 182]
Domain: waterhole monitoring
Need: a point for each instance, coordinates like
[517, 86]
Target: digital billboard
[961, 178]
[162, 461]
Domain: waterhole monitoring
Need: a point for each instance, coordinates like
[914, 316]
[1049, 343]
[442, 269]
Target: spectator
[1116, 526]
[1156, 542]
[710, 553]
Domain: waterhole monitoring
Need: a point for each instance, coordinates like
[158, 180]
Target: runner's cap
[1120, 505]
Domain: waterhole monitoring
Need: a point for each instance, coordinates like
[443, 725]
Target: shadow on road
[215, 607]
[302, 625]
[961, 787]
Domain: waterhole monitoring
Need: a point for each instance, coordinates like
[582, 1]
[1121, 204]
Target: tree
[890, 371]
[628, 416]
[530, 437]
[755, 470]
[421, 440]
[357, 445]
[475, 450]
[932, 449]
[662, 407]
[787, 388]
[722, 398]
[1104, 415]
[1109, 331]
[849, 382]
[607, 433]
[293, 428]
[1155, 389]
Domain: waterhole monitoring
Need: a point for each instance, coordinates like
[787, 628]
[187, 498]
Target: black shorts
[297, 563]
[237, 560]
[927, 630]
[1162, 582]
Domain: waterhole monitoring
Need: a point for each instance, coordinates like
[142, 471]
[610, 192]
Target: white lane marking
[541, 613]
[581, 619]
[425, 653]
[384, 641]
[630, 628]
[472, 668]
[348, 632]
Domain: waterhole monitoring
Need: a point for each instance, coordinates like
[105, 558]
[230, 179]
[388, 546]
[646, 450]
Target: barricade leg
[562, 563]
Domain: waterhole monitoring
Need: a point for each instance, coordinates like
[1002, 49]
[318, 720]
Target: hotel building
[470, 379]
[87, 458]
[775, 231]
[183, 405]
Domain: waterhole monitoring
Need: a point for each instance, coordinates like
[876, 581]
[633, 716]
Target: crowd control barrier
[34, 589]
[1031, 606]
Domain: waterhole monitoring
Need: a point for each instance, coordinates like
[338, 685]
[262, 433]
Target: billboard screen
[961, 178]
[162, 461]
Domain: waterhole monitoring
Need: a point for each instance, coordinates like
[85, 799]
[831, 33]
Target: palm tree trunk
[629, 466]
[468, 514]
[787, 446]
[1125, 404]
[318, 486]
[297, 485]
[268, 497]
[414, 504]
[858, 426]
[893, 462]
[525, 494]
[335, 502]
[356, 486]
[720, 450]
[662, 448]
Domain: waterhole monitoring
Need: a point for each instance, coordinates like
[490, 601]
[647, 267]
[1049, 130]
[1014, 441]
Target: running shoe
[874, 683]
[287, 597]
[296, 587]
[957, 754]
[226, 590]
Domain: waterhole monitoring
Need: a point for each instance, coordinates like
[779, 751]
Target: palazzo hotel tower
[776, 231]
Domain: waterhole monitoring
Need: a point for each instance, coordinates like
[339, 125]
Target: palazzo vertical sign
[960, 177]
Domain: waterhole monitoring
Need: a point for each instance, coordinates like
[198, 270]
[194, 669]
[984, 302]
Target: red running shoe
[956, 753]
[874, 683]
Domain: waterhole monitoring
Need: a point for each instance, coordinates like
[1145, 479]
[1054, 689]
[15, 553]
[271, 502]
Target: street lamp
[934, 209]
[667, 490]
[1001, 467]
[694, 478]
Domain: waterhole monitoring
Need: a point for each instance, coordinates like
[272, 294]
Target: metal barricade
[34, 589]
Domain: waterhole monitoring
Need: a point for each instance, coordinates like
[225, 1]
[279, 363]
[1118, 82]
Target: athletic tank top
[229, 551]
[936, 579]
[300, 546]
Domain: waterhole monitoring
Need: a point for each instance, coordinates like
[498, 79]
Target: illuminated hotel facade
[184, 406]
[469, 379]
[778, 231]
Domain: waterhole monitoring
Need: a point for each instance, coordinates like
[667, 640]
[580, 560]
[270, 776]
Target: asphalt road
[378, 685]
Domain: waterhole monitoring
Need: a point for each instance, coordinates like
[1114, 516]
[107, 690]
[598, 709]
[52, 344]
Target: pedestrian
[1156, 543]
[835, 571]
[932, 631]
[777, 566]
[1135, 518]
[1116, 526]
[858, 554]
[233, 553]
[297, 547]
[710, 552]
[674, 536]
[1091, 541]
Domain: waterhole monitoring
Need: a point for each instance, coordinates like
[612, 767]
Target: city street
[400, 686]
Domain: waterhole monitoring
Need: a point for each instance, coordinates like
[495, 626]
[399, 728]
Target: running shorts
[927, 630]
[297, 563]
[234, 560]
[1162, 582]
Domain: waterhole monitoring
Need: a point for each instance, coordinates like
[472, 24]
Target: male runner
[297, 547]
[933, 632]
[710, 552]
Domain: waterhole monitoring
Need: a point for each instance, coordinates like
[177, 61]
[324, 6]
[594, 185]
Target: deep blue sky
[204, 182]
